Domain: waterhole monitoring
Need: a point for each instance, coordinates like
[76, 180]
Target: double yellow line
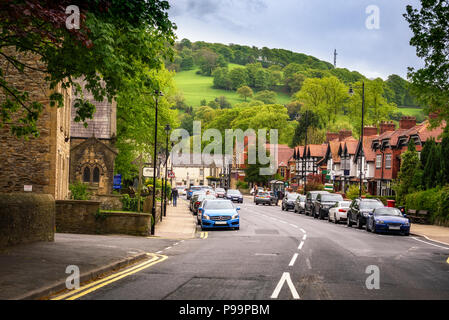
[204, 235]
[88, 288]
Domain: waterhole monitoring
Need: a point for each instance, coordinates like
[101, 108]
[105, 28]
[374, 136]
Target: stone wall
[109, 201]
[41, 162]
[25, 218]
[84, 217]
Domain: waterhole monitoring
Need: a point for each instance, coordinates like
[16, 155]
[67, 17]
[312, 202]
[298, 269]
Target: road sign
[171, 174]
[117, 182]
[147, 171]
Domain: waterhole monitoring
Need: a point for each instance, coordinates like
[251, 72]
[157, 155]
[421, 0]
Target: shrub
[353, 192]
[314, 186]
[435, 200]
[242, 185]
[130, 204]
[79, 191]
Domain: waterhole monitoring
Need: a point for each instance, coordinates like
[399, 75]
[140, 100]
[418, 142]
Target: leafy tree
[293, 109]
[262, 79]
[207, 60]
[221, 79]
[223, 102]
[409, 176]
[430, 27]
[267, 97]
[115, 39]
[239, 77]
[431, 175]
[445, 157]
[245, 92]
[306, 119]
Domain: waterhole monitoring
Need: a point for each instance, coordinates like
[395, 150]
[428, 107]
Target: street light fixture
[167, 131]
[157, 94]
[361, 152]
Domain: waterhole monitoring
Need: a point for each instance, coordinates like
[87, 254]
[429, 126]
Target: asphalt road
[274, 249]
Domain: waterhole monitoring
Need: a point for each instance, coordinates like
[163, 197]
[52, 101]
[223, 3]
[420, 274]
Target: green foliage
[410, 173]
[242, 185]
[435, 200]
[353, 191]
[445, 157]
[130, 204]
[79, 191]
[267, 97]
[245, 92]
[432, 169]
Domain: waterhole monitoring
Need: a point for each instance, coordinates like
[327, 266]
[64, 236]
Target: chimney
[407, 122]
[387, 126]
[343, 134]
[370, 131]
[330, 136]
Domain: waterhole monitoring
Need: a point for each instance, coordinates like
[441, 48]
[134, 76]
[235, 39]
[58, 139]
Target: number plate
[394, 227]
[221, 222]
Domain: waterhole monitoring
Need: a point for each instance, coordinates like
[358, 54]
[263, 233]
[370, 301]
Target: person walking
[174, 194]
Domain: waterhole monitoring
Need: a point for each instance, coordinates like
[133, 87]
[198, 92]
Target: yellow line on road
[206, 235]
[447, 260]
[112, 278]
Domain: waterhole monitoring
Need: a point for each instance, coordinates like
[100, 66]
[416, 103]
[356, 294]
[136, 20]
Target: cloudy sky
[314, 27]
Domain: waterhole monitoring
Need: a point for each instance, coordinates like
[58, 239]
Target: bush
[79, 191]
[130, 204]
[314, 186]
[435, 200]
[353, 192]
[242, 185]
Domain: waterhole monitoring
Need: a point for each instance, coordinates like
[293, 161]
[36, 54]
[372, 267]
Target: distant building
[41, 164]
[189, 173]
[92, 149]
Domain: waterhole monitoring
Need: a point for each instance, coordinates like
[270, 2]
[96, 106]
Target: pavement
[431, 232]
[34, 271]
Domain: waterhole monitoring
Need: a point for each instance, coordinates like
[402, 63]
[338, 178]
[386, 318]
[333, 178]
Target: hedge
[435, 200]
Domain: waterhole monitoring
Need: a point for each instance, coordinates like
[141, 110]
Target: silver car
[339, 211]
[300, 203]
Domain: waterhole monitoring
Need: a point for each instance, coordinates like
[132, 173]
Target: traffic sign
[147, 171]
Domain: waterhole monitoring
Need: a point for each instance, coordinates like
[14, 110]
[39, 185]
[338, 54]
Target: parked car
[199, 199]
[273, 197]
[360, 209]
[191, 190]
[256, 192]
[234, 195]
[181, 191]
[339, 211]
[323, 203]
[262, 197]
[220, 192]
[289, 201]
[388, 220]
[219, 214]
[299, 203]
[310, 198]
[194, 198]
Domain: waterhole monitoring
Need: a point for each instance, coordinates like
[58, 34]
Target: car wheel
[359, 223]
[282, 207]
[329, 219]
[237, 228]
[406, 233]
[314, 214]
[294, 210]
[348, 222]
[335, 219]
[367, 227]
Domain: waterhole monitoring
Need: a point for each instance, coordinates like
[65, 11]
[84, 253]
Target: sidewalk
[431, 232]
[179, 223]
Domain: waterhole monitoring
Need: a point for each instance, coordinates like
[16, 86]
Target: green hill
[196, 87]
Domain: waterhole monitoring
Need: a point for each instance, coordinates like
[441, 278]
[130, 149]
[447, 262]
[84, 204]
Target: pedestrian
[278, 196]
[174, 194]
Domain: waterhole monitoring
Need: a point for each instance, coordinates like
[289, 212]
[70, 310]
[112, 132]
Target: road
[274, 249]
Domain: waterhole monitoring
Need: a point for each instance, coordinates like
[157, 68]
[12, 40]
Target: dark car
[299, 203]
[199, 199]
[289, 201]
[234, 195]
[194, 198]
[388, 220]
[191, 190]
[262, 197]
[310, 198]
[360, 209]
[323, 203]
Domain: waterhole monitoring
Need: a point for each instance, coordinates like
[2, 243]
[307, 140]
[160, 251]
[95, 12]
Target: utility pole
[335, 58]
[153, 210]
[305, 151]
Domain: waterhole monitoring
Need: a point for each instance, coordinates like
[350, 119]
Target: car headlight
[406, 223]
[379, 222]
[205, 216]
[235, 216]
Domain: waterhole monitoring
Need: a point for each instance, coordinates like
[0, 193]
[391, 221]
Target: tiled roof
[334, 146]
[317, 150]
[351, 145]
[284, 153]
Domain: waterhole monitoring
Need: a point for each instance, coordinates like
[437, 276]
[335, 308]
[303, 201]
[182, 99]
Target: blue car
[388, 220]
[217, 214]
[191, 190]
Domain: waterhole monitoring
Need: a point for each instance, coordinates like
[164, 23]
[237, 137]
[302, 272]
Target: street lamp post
[153, 210]
[305, 154]
[167, 131]
[351, 92]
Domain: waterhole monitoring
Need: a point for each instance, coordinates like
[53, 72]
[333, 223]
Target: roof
[317, 150]
[284, 154]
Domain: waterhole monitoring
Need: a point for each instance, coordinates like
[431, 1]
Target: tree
[245, 92]
[431, 173]
[116, 38]
[267, 97]
[430, 27]
[238, 77]
[445, 157]
[306, 119]
[207, 60]
[221, 78]
[409, 176]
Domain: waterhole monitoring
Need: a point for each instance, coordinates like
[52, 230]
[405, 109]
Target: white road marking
[434, 240]
[265, 254]
[435, 245]
[304, 237]
[167, 248]
[302, 230]
[300, 245]
[285, 278]
[293, 225]
[175, 244]
[160, 251]
[293, 260]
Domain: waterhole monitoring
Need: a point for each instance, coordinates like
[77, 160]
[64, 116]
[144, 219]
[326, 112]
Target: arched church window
[96, 175]
[86, 174]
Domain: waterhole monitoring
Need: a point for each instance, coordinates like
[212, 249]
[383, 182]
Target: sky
[376, 45]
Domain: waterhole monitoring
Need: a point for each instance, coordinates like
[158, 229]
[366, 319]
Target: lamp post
[351, 92]
[153, 210]
[167, 131]
[305, 153]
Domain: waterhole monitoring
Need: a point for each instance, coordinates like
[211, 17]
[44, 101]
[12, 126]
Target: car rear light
[197, 202]
[342, 210]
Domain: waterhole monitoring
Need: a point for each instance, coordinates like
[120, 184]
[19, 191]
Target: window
[379, 161]
[96, 175]
[283, 172]
[388, 161]
[86, 174]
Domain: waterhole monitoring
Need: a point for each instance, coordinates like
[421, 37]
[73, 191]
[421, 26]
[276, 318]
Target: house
[310, 161]
[392, 142]
[189, 172]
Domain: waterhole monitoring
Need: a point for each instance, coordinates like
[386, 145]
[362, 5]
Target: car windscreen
[217, 205]
[195, 188]
[292, 196]
[371, 204]
[233, 192]
[345, 204]
[219, 190]
[302, 198]
[263, 194]
[388, 212]
[331, 197]
[202, 197]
